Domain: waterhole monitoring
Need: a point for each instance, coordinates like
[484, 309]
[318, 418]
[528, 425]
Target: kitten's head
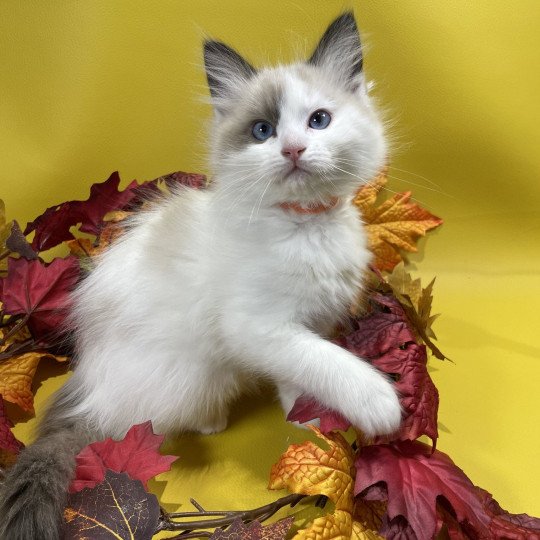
[303, 132]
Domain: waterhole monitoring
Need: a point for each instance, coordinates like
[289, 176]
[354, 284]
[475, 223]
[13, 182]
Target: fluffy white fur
[213, 288]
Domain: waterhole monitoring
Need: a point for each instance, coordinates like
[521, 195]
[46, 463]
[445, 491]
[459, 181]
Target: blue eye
[262, 130]
[319, 119]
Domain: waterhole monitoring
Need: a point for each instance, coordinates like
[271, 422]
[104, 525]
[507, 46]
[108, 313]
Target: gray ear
[225, 69]
[340, 52]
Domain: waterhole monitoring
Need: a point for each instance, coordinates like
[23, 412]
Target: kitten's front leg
[298, 358]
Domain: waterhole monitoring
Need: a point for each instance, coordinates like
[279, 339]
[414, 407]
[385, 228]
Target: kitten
[212, 288]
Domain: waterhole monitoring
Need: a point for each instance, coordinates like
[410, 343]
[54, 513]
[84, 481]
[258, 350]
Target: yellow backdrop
[88, 87]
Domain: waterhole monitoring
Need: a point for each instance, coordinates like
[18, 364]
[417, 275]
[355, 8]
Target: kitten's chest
[319, 267]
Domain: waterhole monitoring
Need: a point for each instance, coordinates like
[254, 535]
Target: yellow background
[88, 87]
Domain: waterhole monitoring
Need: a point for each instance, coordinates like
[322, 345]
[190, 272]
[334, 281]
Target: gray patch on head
[261, 100]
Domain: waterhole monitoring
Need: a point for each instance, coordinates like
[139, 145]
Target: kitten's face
[304, 132]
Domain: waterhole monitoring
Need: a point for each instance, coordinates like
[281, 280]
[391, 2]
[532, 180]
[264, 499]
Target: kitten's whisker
[440, 192]
[260, 200]
[417, 175]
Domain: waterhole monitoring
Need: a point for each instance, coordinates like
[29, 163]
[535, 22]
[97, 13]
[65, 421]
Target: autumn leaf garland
[392, 487]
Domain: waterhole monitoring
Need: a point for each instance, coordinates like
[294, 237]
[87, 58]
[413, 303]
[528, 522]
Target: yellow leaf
[416, 302]
[306, 468]
[16, 375]
[5, 231]
[17, 372]
[394, 225]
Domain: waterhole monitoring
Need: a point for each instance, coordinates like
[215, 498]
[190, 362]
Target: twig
[223, 517]
[19, 348]
[197, 505]
[15, 329]
[190, 534]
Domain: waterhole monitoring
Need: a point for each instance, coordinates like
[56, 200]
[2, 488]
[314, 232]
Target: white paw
[216, 426]
[379, 412]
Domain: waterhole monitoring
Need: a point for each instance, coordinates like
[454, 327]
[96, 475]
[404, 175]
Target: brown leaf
[118, 508]
[17, 243]
[394, 225]
[416, 301]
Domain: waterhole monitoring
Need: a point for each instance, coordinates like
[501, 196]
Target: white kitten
[212, 288]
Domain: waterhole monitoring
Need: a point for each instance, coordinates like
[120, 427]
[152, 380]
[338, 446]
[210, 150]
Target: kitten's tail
[34, 492]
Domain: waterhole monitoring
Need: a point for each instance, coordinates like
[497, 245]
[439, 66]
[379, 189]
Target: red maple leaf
[40, 292]
[386, 339]
[52, 227]
[136, 454]
[385, 327]
[306, 409]
[8, 442]
[415, 478]
[418, 395]
[506, 525]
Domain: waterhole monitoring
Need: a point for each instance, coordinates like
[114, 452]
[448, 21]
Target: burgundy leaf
[396, 529]
[506, 525]
[385, 328]
[41, 292]
[52, 227]
[418, 395]
[415, 479]
[8, 442]
[136, 454]
[306, 409]
[148, 190]
[385, 338]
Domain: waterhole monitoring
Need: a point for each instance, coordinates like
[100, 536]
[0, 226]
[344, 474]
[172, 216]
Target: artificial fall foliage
[117, 508]
[394, 487]
[394, 225]
[136, 454]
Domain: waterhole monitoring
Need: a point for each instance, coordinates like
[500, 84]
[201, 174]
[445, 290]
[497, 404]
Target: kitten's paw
[216, 426]
[380, 411]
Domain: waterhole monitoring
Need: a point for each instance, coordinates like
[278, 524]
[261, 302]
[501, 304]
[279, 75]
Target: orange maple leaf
[305, 468]
[17, 372]
[394, 225]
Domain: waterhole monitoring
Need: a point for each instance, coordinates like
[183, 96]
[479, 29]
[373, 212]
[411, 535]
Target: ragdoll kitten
[212, 288]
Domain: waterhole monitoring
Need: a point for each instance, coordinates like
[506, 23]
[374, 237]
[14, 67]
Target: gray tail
[34, 492]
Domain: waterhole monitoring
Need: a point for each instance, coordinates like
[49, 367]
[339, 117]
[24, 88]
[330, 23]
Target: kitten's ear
[340, 52]
[225, 69]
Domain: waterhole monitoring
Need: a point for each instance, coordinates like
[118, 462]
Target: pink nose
[292, 152]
